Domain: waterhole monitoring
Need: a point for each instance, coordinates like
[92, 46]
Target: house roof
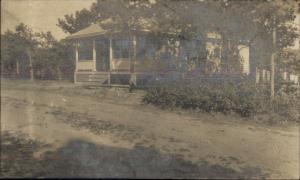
[92, 30]
[144, 25]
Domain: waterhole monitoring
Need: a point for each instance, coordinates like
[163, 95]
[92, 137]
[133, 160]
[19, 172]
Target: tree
[27, 43]
[81, 19]
[238, 22]
[38, 54]
[290, 61]
[10, 55]
[52, 57]
[267, 21]
[18, 48]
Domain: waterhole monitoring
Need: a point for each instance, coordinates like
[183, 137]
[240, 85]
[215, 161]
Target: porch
[117, 61]
[108, 57]
[118, 58]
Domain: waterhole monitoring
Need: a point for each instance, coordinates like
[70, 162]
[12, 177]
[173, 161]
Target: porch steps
[91, 78]
[111, 79]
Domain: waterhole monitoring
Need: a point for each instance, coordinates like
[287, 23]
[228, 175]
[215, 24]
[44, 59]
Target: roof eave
[71, 37]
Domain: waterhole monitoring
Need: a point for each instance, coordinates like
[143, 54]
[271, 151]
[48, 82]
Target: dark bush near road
[220, 95]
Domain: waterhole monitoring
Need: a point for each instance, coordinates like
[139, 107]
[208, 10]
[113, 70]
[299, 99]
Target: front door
[102, 54]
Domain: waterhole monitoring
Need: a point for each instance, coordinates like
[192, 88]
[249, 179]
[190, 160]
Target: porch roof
[92, 30]
[97, 29]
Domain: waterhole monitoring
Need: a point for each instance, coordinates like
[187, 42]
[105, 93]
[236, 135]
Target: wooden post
[94, 55]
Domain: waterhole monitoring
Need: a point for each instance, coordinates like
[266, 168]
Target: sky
[40, 15]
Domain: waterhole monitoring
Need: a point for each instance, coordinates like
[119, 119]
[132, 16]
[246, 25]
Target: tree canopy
[247, 22]
[36, 54]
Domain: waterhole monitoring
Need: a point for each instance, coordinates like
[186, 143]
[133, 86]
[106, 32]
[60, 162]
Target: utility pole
[273, 61]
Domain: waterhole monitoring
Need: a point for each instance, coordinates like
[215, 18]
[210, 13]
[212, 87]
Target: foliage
[53, 59]
[287, 104]
[23, 50]
[290, 59]
[238, 22]
[220, 95]
[73, 23]
[209, 95]
[16, 48]
[124, 14]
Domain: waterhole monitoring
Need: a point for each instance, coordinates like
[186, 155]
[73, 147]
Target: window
[121, 48]
[141, 48]
[145, 48]
[165, 54]
[85, 50]
[217, 52]
[193, 48]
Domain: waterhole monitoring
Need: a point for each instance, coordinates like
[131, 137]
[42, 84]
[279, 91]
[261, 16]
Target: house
[111, 57]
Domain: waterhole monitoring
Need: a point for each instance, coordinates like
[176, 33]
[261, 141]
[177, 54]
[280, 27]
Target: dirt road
[94, 137]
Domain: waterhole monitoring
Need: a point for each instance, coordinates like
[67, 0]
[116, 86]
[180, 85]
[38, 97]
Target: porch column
[257, 75]
[76, 61]
[134, 51]
[133, 60]
[110, 53]
[76, 55]
[94, 55]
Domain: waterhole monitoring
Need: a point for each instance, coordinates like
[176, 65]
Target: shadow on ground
[79, 158]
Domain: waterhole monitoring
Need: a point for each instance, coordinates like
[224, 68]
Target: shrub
[287, 105]
[215, 95]
[207, 95]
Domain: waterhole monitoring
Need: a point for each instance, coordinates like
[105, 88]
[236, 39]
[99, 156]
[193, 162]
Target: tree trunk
[272, 79]
[2, 68]
[18, 68]
[59, 73]
[225, 51]
[30, 66]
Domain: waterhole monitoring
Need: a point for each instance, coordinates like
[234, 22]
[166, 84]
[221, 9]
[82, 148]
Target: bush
[207, 95]
[219, 95]
[287, 105]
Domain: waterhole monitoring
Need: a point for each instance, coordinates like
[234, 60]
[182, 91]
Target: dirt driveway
[103, 137]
